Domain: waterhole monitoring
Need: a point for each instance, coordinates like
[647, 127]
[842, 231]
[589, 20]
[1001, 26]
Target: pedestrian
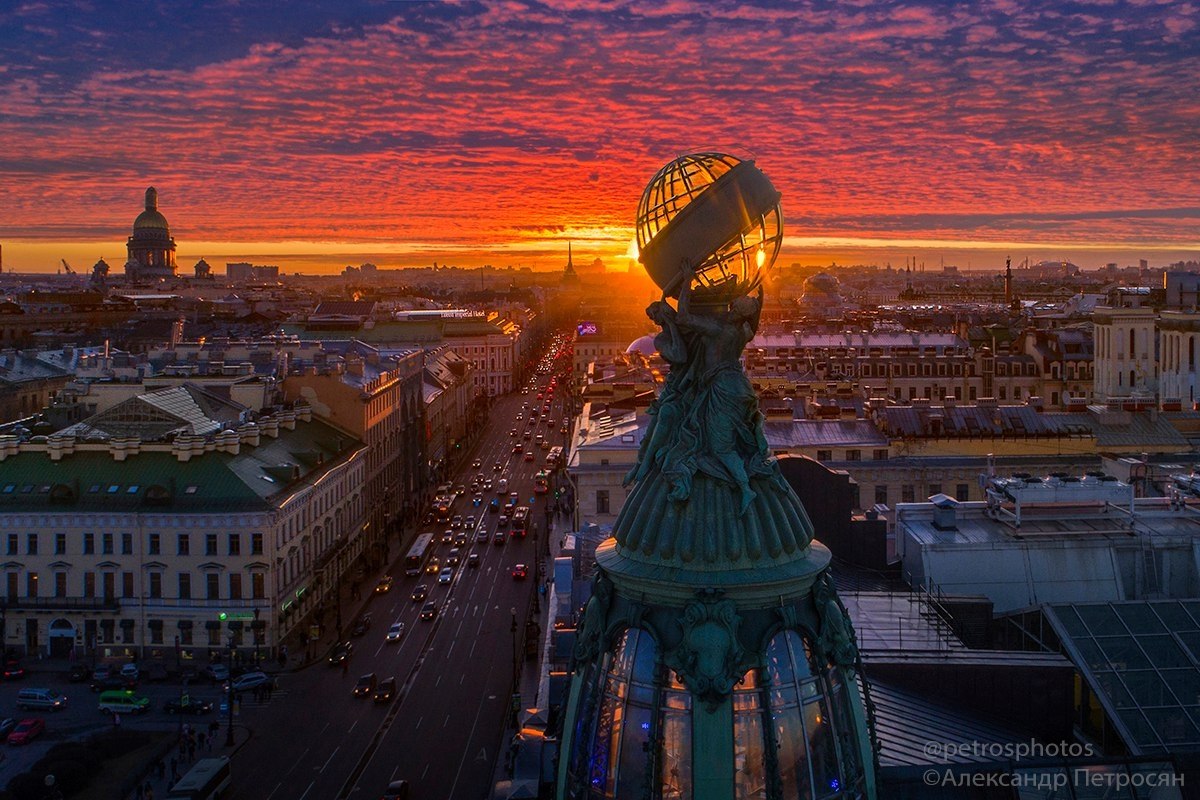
[174, 769]
[116, 720]
[191, 750]
[203, 739]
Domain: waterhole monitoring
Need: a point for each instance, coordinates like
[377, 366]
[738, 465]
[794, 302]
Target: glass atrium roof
[1142, 660]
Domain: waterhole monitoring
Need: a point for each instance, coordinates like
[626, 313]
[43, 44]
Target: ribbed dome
[151, 217]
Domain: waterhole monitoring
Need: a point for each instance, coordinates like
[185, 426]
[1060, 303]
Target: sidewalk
[178, 756]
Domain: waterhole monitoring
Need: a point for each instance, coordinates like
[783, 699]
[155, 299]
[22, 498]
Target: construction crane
[67, 266]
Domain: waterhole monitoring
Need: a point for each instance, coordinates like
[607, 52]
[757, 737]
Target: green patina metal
[712, 558]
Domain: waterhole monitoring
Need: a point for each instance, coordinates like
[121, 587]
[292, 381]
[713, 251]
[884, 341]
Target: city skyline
[472, 134]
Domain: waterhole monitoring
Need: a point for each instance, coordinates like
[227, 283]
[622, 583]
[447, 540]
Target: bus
[554, 456]
[206, 780]
[541, 482]
[416, 556]
[520, 521]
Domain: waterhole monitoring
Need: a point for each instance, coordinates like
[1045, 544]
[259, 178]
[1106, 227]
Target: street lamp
[229, 700]
[256, 636]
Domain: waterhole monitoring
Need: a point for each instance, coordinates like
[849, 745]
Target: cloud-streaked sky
[494, 132]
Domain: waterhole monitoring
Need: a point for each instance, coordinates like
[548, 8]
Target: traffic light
[222, 616]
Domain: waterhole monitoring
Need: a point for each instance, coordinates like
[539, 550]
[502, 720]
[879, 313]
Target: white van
[41, 698]
[502, 486]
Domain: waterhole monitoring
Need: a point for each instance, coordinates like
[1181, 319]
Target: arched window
[1131, 343]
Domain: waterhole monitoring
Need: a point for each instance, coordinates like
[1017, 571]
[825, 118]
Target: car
[27, 730]
[473, 559]
[365, 686]
[460, 540]
[454, 557]
[447, 537]
[563, 429]
[497, 467]
[385, 585]
[433, 566]
[6, 727]
[459, 490]
[420, 593]
[13, 670]
[216, 672]
[502, 521]
[482, 535]
[520, 572]
[494, 506]
[78, 674]
[528, 435]
[457, 522]
[529, 456]
[130, 671]
[340, 652]
[477, 500]
[445, 576]
[253, 680]
[470, 523]
[476, 464]
[396, 790]
[512, 431]
[487, 485]
[194, 707]
[361, 625]
[385, 691]
[395, 632]
[520, 416]
[429, 611]
[498, 538]
[518, 447]
[112, 682]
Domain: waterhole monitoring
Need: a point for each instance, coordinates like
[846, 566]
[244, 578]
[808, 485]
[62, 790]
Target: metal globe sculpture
[712, 216]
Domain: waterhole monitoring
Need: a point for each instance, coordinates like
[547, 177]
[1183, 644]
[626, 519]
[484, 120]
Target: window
[155, 545]
[210, 544]
[183, 544]
[962, 492]
[31, 584]
[881, 495]
[89, 544]
[126, 544]
[109, 586]
[235, 586]
[185, 586]
[60, 584]
[126, 584]
[213, 586]
[156, 636]
[60, 544]
[256, 544]
[854, 455]
[907, 493]
[935, 488]
[89, 584]
[235, 544]
[602, 501]
[31, 544]
[11, 589]
[880, 455]
[824, 455]
[12, 544]
[156, 585]
[257, 586]
[126, 633]
[106, 543]
[185, 636]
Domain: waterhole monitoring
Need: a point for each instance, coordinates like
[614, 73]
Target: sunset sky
[470, 133]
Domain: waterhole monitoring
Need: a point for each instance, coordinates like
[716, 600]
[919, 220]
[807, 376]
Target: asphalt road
[315, 741]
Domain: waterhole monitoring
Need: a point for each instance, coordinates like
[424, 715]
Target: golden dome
[151, 218]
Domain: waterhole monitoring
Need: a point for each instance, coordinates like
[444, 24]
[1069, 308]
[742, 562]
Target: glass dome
[793, 732]
[718, 213]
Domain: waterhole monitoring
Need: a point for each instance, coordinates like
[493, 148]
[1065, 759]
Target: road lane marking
[352, 727]
[309, 789]
[331, 755]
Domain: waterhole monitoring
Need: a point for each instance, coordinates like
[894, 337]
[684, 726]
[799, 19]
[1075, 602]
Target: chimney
[945, 512]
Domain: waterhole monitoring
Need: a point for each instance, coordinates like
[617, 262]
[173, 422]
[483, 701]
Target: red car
[520, 572]
[27, 730]
[13, 671]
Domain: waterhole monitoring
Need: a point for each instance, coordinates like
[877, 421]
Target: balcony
[64, 603]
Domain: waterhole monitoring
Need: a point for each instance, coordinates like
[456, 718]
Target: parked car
[420, 593]
[395, 632]
[6, 727]
[217, 673]
[361, 625]
[13, 670]
[27, 730]
[113, 683]
[385, 584]
[130, 671]
[365, 686]
[385, 691]
[339, 653]
[194, 707]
